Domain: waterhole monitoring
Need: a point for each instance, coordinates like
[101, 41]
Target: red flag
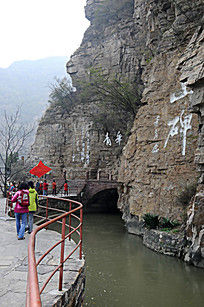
[40, 169]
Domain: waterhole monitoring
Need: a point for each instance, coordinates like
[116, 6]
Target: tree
[117, 100]
[13, 136]
[62, 94]
[122, 94]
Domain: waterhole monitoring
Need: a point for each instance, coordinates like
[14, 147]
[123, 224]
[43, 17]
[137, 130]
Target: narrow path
[13, 264]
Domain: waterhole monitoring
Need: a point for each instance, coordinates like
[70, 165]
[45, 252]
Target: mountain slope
[27, 83]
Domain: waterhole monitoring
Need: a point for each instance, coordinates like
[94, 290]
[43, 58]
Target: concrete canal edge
[14, 267]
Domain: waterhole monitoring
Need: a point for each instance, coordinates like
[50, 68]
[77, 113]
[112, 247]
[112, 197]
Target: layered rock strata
[70, 141]
[158, 160]
[192, 72]
[153, 44]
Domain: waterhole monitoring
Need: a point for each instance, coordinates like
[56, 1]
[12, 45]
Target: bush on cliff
[117, 100]
[62, 94]
[151, 221]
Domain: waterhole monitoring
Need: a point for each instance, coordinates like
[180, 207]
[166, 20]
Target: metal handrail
[33, 291]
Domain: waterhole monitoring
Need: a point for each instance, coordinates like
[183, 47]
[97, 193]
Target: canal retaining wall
[177, 244]
[165, 243]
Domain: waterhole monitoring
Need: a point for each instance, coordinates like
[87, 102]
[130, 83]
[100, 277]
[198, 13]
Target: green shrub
[166, 223]
[175, 230]
[166, 229]
[151, 221]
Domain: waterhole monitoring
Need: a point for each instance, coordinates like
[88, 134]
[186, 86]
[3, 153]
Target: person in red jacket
[65, 188]
[21, 198]
[41, 188]
[45, 187]
[53, 187]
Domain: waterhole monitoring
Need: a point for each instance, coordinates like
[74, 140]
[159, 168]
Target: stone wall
[73, 297]
[164, 243]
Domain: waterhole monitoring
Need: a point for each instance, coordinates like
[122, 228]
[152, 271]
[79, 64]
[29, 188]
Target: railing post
[46, 209]
[70, 219]
[62, 253]
[81, 221]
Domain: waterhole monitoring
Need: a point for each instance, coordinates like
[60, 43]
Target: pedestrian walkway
[3, 215]
[14, 264]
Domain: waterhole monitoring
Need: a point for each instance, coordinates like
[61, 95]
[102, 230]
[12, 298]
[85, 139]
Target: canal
[122, 272]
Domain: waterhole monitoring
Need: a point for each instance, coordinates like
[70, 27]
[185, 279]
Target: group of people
[26, 199]
[42, 187]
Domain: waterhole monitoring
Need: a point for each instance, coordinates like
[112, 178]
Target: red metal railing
[33, 290]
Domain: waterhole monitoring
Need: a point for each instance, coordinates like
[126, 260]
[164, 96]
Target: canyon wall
[156, 44]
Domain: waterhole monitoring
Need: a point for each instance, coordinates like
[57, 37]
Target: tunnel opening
[103, 202]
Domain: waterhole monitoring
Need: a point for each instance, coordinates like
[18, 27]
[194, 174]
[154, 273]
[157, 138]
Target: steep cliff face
[70, 141]
[192, 72]
[149, 43]
[158, 160]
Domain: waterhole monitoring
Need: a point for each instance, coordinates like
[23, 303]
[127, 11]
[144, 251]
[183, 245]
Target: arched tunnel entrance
[104, 201]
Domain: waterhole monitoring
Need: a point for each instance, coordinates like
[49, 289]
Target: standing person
[41, 188]
[37, 186]
[33, 205]
[65, 188]
[21, 198]
[45, 187]
[11, 188]
[54, 187]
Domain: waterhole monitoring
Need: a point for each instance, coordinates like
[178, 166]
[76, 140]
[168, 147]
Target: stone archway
[104, 201]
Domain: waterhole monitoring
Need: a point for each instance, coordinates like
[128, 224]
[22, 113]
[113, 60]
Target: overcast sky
[35, 29]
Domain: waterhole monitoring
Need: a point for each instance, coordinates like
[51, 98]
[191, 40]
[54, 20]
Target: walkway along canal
[16, 262]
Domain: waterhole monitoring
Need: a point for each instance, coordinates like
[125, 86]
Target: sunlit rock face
[141, 41]
[158, 160]
[192, 73]
[70, 141]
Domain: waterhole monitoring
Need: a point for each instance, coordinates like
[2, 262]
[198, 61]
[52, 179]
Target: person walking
[54, 185]
[33, 205]
[21, 198]
[65, 188]
[45, 187]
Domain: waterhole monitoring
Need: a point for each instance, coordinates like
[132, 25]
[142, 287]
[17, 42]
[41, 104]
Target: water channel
[122, 272]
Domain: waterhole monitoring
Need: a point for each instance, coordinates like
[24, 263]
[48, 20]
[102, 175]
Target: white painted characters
[185, 126]
[180, 94]
[156, 123]
[155, 148]
[118, 138]
[174, 129]
[107, 140]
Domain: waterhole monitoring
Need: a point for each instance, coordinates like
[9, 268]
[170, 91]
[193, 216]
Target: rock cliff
[156, 44]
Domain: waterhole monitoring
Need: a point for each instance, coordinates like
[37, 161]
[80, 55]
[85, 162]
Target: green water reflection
[122, 272]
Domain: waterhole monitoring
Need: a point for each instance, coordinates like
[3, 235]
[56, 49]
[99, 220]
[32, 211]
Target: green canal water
[122, 272]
